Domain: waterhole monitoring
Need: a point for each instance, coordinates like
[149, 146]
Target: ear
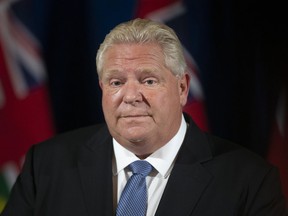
[101, 84]
[184, 83]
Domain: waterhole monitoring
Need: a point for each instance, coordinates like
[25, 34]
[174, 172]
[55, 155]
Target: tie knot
[140, 167]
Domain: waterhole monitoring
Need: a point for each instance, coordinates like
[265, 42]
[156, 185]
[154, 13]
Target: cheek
[110, 97]
[109, 102]
[171, 103]
[161, 100]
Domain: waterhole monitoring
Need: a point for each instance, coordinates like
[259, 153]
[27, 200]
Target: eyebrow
[147, 71]
[110, 73]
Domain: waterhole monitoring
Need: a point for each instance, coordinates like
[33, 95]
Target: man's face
[142, 100]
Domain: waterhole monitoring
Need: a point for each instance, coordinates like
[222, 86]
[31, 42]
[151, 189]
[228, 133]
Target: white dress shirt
[162, 160]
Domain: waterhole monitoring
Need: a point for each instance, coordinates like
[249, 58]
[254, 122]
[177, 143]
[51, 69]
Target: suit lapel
[95, 170]
[188, 178]
[186, 184]
[181, 194]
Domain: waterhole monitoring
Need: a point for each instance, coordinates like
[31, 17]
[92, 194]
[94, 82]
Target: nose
[132, 92]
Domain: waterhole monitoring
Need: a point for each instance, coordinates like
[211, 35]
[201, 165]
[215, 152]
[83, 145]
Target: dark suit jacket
[72, 175]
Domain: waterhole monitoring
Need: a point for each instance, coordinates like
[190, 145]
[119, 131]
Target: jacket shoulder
[234, 158]
[74, 137]
[63, 150]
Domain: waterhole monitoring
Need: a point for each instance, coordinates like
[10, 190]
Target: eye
[115, 83]
[150, 81]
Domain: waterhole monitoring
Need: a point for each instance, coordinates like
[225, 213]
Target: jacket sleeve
[22, 196]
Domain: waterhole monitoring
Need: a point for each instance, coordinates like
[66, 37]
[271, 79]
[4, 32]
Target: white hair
[144, 31]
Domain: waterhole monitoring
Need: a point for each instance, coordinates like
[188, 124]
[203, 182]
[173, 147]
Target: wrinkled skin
[142, 99]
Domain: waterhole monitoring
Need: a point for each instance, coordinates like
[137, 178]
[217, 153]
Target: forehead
[129, 54]
[127, 59]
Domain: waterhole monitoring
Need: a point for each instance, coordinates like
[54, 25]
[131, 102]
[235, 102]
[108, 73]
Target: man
[142, 73]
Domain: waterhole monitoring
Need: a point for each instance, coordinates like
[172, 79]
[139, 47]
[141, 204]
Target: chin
[136, 140]
[137, 135]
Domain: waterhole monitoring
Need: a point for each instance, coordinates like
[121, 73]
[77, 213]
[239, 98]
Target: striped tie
[133, 200]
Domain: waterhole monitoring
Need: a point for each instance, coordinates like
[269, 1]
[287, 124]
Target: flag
[25, 116]
[171, 12]
[278, 148]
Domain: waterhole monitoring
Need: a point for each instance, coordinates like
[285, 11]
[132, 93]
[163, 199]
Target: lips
[134, 116]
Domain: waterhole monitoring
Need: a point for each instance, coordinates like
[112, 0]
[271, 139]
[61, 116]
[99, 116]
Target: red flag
[25, 116]
[164, 11]
[278, 149]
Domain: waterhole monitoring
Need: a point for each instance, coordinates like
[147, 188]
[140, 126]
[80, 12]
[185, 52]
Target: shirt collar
[162, 159]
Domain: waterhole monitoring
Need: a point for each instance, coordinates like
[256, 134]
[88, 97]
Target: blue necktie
[133, 200]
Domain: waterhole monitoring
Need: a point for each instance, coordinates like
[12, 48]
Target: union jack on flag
[25, 117]
[21, 53]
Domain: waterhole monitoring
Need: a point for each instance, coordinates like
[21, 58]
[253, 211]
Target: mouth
[134, 120]
[134, 116]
